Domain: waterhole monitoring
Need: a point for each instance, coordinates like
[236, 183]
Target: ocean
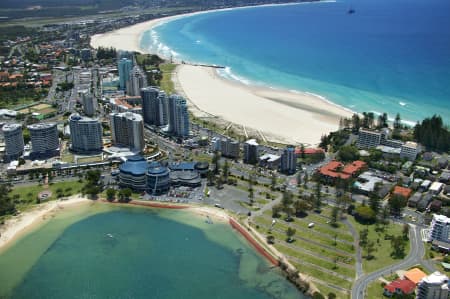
[105, 251]
[389, 56]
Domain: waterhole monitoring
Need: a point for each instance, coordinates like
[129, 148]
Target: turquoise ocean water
[389, 56]
[137, 253]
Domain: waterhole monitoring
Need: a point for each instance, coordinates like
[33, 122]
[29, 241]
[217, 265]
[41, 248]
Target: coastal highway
[414, 257]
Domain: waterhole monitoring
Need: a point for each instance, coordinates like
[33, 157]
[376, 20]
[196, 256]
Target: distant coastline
[294, 117]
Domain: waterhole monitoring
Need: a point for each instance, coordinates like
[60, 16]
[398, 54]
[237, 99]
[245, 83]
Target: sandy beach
[16, 226]
[277, 115]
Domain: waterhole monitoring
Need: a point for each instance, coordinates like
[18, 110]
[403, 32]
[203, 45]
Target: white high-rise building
[89, 104]
[178, 116]
[125, 66]
[433, 286]
[14, 144]
[439, 228]
[136, 82]
[44, 140]
[289, 160]
[154, 106]
[85, 134]
[409, 150]
[127, 129]
[251, 148]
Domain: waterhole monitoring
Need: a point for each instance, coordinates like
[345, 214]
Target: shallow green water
[105, 251]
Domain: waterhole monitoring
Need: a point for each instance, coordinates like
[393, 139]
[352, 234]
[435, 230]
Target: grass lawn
[325, 290]
[166, 81]
[88, 159]
[67, 158]
[374, 290]
[308, 233]
[382, 255]
[27, 195]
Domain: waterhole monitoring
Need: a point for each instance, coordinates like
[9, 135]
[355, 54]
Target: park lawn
[69, 158]
[320, 275]
[28, 195]
[166, 83]
[310, 234]
[325, 290]
[281, 237]
[375, 290]
[349, 272]
[382, 255]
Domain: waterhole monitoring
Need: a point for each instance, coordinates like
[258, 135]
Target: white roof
[269, 157]
[436, 186]
[441, 218]
[252, 142]
[435, 278]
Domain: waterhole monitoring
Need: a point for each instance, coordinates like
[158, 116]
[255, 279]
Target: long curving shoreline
[282, 116]
[24, 222]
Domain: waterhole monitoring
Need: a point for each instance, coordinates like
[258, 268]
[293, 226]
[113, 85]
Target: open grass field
[166, 81]
[26, 196]
[382, 255]
[324, 253]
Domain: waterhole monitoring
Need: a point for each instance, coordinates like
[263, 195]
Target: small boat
[110, 235]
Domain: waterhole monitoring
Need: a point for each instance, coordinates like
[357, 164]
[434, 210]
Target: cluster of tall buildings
[127, 129]
[131, 77]
[158, 109]
[286, 162]
[368, 139]
[44, 141]
[85, 134]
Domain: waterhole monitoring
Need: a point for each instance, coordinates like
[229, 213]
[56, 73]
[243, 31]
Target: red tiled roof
[353, 168]
[402, 191]
[331, 170]
[406, 286]
[308, 151]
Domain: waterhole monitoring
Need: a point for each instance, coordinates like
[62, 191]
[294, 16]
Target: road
[414, 257]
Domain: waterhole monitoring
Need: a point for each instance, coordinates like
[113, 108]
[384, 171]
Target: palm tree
[290, 232]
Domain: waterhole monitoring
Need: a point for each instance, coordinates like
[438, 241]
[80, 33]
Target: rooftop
[402, 191]
[135, 165]
[252, 142]
[415, 275]
[435, 278]
[406, 286]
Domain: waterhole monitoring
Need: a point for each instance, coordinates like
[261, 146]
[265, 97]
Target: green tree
[302, 151]
[225, 170]
[334, 216]
[397, 247]
[374, 202]
[210, 178]
[270, 239]
[396, 204]
[405, 232]
[363, 237]
[110, 194]
[365, 214]
[301, 207]
[318, 196]
[276, 211]
[331, 295]
[125, 195]
[348, 153]
[216, 162]
[273, 181]
[299, 179]
[370, 248]
[290, 232]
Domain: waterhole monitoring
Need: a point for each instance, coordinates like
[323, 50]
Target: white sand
[18, 224]
[281, 115]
